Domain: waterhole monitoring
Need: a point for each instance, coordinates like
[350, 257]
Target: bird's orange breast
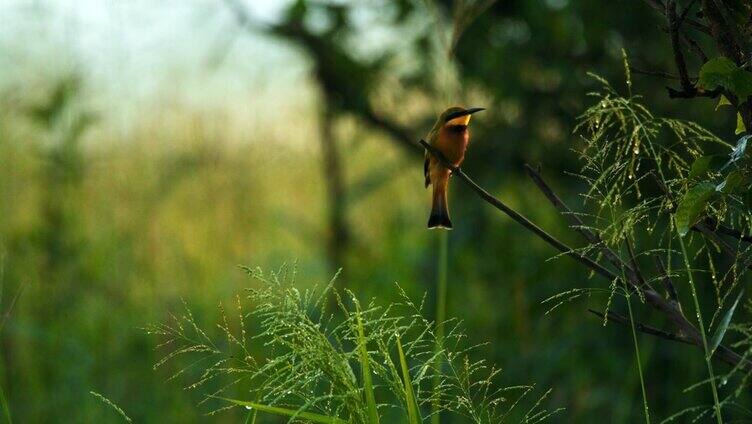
[452, 142]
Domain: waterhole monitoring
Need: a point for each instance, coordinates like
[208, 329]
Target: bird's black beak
[460, 113]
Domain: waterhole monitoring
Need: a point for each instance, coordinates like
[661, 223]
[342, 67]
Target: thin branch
[686, 10]
[695, 46]
[659, 74]
[725, 230]
[661, 8]
[577, 224]
[674, 26]
[643, 328]
[671, 309]
[633, 263]
[677, 94]
[667, 281]
[520, 219]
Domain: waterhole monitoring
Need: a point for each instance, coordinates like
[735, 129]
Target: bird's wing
[425, 171]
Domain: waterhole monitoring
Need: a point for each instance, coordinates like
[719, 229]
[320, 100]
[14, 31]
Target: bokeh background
[149, 148]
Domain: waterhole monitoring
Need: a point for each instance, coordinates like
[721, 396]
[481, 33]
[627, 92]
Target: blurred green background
[149, 148]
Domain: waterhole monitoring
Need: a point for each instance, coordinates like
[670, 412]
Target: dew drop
[248, 407]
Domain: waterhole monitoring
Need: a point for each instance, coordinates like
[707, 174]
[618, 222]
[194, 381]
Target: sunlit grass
[338, 365]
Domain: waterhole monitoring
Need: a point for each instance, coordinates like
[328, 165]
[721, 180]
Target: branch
[683, 94]
[633, 262]
[579, 226]
[673, 28]
[520, 219]
[321, 54]
[659, 74]
[667, 282]
[620, 319]
[695, 46]
[671, 309]
[661, 8]
[728, 231]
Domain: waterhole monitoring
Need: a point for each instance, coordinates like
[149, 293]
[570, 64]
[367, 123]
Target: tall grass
[316, 355]
[701, 326]
[441, 296]
[627, 147]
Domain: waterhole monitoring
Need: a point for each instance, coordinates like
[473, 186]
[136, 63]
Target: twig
[579, 226]
[633, 263]
[674, 25]
[669, 309]
[683, 94]
[725, 230]
[667, 281]
[659, 74]
[661, 8]
[620, 319]
[520, 219]
[695, 46]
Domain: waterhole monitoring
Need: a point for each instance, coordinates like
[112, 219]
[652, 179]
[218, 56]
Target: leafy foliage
[638, 168]
[723, 72]
[692, 205]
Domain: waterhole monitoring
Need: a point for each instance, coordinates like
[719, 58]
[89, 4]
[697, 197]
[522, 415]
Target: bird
[450, 136]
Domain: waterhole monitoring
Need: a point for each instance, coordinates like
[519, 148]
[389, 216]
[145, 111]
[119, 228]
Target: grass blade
[723, 325]
[413, 413]
[285, 412]
[5, 407]
[373, 415]
[112, 405]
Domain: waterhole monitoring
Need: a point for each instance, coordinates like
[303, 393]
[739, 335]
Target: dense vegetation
[107, 230]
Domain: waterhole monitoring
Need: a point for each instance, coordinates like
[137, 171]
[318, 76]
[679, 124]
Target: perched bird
[449, 135]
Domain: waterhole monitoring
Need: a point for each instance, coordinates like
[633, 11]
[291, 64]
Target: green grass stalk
[714, 389]
[639, 361]
[441, 293]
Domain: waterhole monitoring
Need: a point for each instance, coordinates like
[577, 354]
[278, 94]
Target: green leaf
[723, 325]
[285, 412]
[716, 72]
[737, 181]
[704, 164]
[365, 361]
[723, 101]
[722, 72]
[413, 412]
[740, 128]
[692, 205]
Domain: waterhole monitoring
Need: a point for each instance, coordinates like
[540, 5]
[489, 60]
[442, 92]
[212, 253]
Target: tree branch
[661, 8]
[668, 282]
[620, 319]
[674, 26]
[671, 309]
[659, 74]
[577, 224]
[520, 219]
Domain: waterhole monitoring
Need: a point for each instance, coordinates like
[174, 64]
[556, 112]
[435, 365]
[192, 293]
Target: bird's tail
[440, 210]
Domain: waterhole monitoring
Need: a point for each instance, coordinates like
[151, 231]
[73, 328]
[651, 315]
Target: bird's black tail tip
[440, 221]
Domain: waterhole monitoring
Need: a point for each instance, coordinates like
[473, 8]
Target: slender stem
[701, 326]
[441, 290]
[637, 355]
[251, 417]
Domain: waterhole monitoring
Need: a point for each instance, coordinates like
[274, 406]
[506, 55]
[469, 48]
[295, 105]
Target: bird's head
[453, 117]
[456, 115]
